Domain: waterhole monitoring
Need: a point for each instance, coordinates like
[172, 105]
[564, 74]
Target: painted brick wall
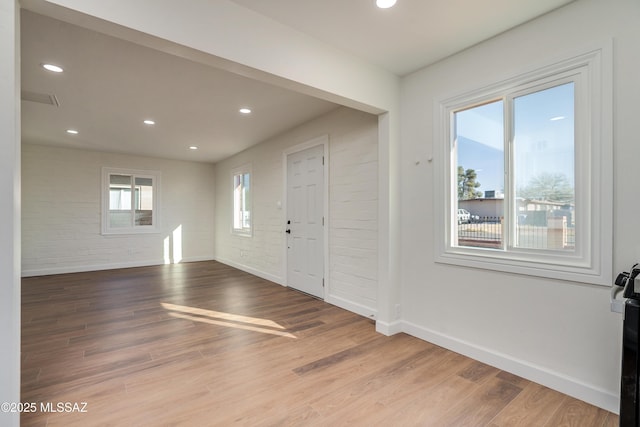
[353, 204]
[61, 212]
[353, 214]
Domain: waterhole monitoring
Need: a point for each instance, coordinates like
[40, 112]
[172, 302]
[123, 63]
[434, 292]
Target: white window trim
[139, 229]
[246, 168]
[592, 260]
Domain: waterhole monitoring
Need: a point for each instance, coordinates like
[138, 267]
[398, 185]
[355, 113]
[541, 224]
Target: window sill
[575, 271]
[130, 232]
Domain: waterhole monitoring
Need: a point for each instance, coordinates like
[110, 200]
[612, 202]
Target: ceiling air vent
[42, 98]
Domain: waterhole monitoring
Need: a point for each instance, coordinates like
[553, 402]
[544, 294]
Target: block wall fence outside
[61, 212]
[353, 207]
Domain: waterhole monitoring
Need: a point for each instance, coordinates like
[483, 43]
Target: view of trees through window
[538, 207]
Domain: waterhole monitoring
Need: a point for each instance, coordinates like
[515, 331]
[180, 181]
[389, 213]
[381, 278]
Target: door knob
[288, 231]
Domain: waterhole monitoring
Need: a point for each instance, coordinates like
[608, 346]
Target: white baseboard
[331, 299]
[267, 276]
[99, 267]
[360, 309]
[548, 378]
[389, 329]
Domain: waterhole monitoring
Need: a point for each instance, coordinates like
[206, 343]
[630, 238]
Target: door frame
[324, 141]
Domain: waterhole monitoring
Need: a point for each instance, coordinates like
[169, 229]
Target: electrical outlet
[617, 306]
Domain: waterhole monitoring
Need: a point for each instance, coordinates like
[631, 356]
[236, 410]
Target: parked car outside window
[464, 216]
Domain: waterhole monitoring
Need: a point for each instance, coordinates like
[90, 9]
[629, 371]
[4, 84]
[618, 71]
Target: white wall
[353, 207]
[9, 209]
[558, 333]
[61, 212]
[561, 333]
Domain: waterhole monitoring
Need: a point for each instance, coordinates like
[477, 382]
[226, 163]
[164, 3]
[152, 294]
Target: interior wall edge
[10, 182]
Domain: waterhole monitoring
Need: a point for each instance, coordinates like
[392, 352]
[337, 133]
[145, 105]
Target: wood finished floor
[204, 344]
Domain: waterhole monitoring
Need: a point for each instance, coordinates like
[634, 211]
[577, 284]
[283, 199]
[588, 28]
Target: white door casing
[305, 217]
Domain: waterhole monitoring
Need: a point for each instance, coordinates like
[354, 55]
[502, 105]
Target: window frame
[591, 261]
[243, 231]
[154, 227]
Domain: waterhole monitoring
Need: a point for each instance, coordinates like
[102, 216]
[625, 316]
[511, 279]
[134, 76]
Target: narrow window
[241, 190]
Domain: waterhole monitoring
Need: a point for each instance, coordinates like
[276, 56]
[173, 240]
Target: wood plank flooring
[204, 344]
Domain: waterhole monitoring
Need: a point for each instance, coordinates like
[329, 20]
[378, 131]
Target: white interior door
[305, 222]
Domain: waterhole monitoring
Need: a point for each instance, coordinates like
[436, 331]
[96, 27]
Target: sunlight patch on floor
[226, 319]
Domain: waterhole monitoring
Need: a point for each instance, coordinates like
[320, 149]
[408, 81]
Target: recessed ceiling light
[72, 131]
[52, 68]
[149, 122]
[555, 119]
[245, 111]
[385, 4]
[193, 147]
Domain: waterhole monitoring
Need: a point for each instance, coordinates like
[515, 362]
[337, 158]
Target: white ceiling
[110, 85]
[408, 36]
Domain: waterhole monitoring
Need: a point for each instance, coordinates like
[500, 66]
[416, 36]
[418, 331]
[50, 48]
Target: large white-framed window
[525, 181]
[129, 201]
[241, 215]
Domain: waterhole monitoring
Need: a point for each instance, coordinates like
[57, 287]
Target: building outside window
[523, 173]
